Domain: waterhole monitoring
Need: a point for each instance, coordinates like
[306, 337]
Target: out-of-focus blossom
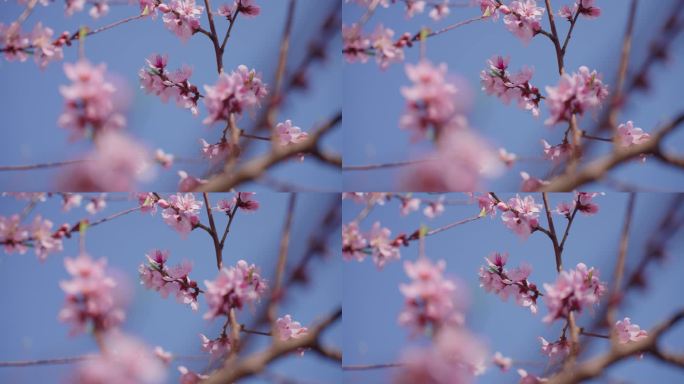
[13, 234]
[456, 356]
[629, 135]
[557, 350]
[289, 329]
[408, 205]
[124, 360]
[386, 50]
[96, 204]
[558, 152]
[504, 363]
[507, 158]
[217, 348]
[383, 249]
[44, 240]
[626, 331]
[429, 298]
[527, 378]
[356, 45]
[90, 296]
[164, 159]
[434, 208]
[353, 242]
[190, 377]
[245, 201]
[189, 183]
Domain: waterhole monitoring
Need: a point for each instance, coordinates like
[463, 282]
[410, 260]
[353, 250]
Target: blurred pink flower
[233, 288]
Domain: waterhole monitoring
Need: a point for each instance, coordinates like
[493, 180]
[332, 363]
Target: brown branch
[622, 71]
[282, 262]
[272, 112]
[596, 170]
[596, 366]
[254, 168]
[615, 295]
[257, 362]
[552, 234]
[212, 232]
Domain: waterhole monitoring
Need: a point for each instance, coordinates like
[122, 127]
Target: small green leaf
[146, 11]
[424, 33]
[487, 12]
[483, 212]
[423, 231]
[82, 226]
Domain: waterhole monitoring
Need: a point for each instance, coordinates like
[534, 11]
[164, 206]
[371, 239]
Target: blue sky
[373, 104]
[32, 300]
[31, 102]
[373, 302]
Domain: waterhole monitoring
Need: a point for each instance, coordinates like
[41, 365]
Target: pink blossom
[496, 80]
[530, 183]
[90, 296]
[368, 198]
[71, 201]
[521, 215]
[289, 134]
[182, 213]
[217, 348]
[245, 201]
[225, 206]
[507, 158]
[14, 42]
[89, 101]
[588, 9]
[44, 242]
[575, 94]
[523, 19]
[233, 288]
[434, 208]
[374, 3]
[247, 8]
[189, 183]
[289, 329]
[116, 164]
[386, 51]
[566, 12]
[429, 298]
[13, 235]
[487, 204]
[158, 276]
[626, 331]
[558, 152]
[73, 6]
[233, 92]
[44, 50]
[182, 17]
[414, 7]
[409, 205]
[165, 356]
[216, 152]
[430, 101]
[456, 356]
[495, 278]
[583, 202]
[526, 378]
[96, 204]
[353, 242]
[156, 79]
[100, 8]
[629, 136]
[557, 350]
[124, 360]
[356, 46]
[462, 161]
[440, 11]
[382, 247]
[190, 377]
[564, 208]
[504, 363]
[489, 8]
[164, 159]
[573, 290]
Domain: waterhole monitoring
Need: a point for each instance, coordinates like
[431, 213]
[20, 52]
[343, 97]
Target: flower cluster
[289, 134]
[558, 152]
[456, 356]
[289, 329]
[368, 198]
[169, 85]
[495, 278]
[218, 347]
[382, 248]
[90, 296]
[460, 163]
[247, 7]
[522, 18]
[429, 298]
[181, 17]
[233, 288]
[430, 101]
[124, 360]
[521, 215]
[15, 237]
[556, 350]
[88, 100]
[496, 80]
[16, 45]
[573, 290]
[629, 135]
[585, 8]
[626, 331]
[157, 275]
[353, 242]
[575, 94]
[233, 92]
[181, 212]
[116, 164]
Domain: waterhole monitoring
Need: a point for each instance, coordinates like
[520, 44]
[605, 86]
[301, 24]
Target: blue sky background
[373, 103]
[373, 303]
[31, 102]
[32, 299]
